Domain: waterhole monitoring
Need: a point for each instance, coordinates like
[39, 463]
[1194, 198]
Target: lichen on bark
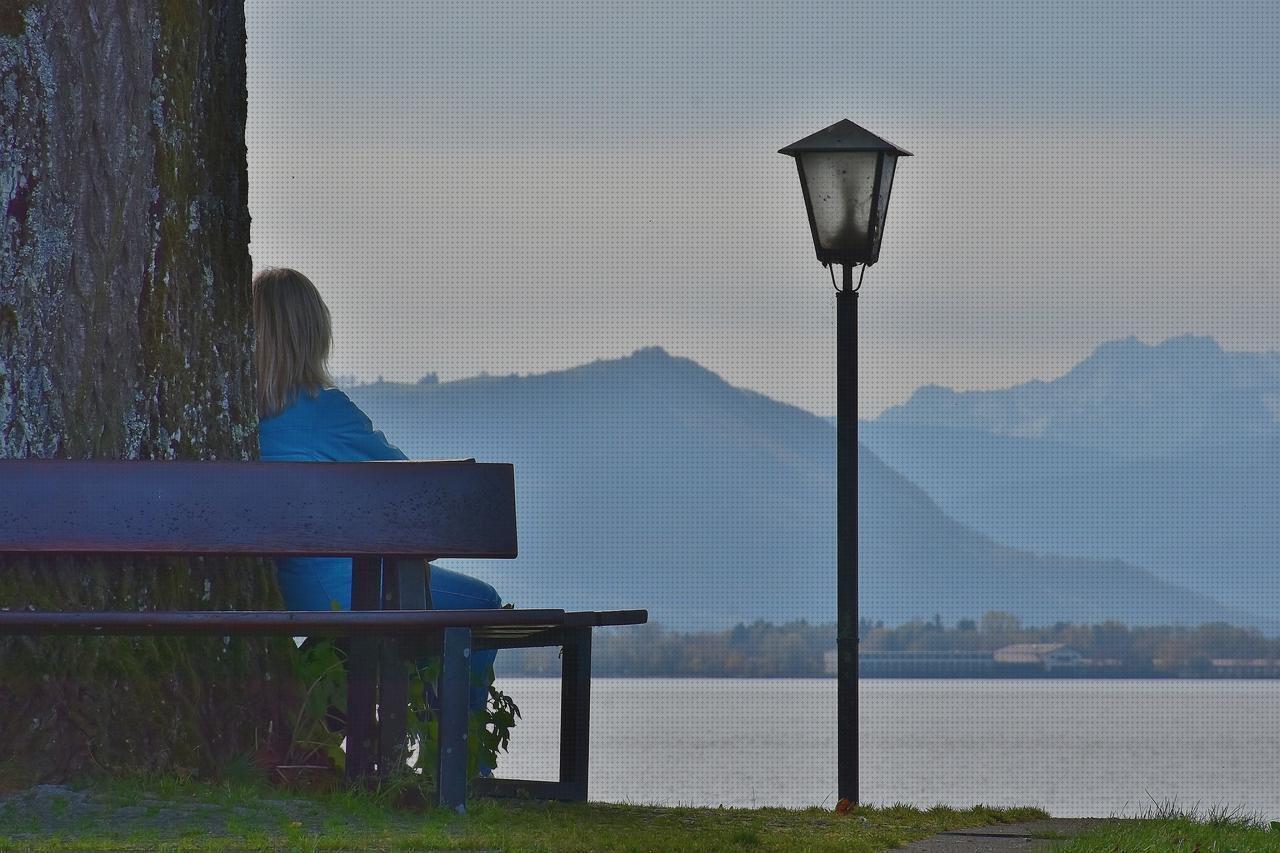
[12, 17]
[125, 333]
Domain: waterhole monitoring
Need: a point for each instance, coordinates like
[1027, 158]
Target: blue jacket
[328, 427]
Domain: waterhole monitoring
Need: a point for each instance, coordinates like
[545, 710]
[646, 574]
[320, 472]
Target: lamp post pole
[847, 538]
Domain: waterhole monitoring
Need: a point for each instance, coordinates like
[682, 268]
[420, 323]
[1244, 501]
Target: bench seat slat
[268, 622]
[600, 618]
[489, 625]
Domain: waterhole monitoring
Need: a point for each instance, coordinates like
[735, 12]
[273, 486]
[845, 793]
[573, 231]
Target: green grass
[1168, 828]
[169, 815]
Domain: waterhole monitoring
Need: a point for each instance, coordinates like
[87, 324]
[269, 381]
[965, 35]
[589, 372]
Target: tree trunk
[125, 332]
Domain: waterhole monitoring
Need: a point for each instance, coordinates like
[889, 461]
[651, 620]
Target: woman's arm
[360, 441]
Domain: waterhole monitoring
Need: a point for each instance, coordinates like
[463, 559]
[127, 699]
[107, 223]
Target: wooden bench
[388, 516]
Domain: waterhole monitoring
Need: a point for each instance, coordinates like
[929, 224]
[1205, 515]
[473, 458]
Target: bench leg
[362, 675]
[393, 681]
[455, 689]
[575, 712]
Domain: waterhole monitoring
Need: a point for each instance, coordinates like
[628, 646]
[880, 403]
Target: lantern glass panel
[839, 185]
[882, 204]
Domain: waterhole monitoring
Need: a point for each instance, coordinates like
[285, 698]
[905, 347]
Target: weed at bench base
[321, 665]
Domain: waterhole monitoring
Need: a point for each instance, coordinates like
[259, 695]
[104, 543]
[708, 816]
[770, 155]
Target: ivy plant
[318, 729]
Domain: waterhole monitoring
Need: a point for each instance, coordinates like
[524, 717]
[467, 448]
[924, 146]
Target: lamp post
[846, 173]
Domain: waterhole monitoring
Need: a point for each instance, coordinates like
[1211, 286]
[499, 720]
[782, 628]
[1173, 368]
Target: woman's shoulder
[308, 408]
[336, 401]
[321, 398]
[351, 430]
[323, 425]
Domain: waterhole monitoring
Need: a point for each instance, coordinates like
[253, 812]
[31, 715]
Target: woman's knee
[454, 590]
[484, 594]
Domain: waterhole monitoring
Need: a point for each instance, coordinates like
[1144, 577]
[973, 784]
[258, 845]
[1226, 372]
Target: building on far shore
[1048, 655]
[1246, 667]
[1022, 660]
[1039, 660]
[940, 664]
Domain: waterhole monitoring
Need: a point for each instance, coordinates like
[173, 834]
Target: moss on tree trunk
[125, 333]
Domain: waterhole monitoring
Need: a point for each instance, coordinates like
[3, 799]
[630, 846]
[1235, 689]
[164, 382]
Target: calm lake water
[1072, 747]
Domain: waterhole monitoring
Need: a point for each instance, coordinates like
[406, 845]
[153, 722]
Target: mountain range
[1164, 456]
[649, 481]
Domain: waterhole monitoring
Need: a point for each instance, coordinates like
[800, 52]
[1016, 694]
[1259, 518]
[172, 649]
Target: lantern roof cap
[844, 135]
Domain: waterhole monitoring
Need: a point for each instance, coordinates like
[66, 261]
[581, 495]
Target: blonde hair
[294, 334]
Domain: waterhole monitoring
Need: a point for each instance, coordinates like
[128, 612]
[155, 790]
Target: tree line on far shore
[799, 649]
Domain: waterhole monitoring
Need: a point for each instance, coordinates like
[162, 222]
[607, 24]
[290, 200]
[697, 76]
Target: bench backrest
[436, 509]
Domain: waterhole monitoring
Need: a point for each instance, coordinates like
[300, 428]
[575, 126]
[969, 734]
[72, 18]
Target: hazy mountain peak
[1127, 398]
[1191, 343]
[933, 393]
[1178, 345]
[648, 358]
[650, 366]
[657, 361]
[652, 352]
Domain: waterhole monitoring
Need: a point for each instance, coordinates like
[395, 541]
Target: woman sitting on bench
[303, 418]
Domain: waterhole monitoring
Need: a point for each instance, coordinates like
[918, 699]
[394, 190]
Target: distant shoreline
[986, 677]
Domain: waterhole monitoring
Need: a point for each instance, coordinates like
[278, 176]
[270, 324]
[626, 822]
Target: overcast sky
[521, 187]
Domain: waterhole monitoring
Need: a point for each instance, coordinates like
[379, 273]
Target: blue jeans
[316, 583]
[452, 590]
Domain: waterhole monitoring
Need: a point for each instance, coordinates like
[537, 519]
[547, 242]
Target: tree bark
[125, 333]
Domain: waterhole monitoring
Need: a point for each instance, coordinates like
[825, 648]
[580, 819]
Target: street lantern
[846, 173]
